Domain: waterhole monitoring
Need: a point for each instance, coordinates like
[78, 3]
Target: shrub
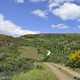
[74, 59]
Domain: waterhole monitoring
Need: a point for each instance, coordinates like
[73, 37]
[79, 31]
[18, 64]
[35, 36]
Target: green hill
[59, 44]
[19, 54]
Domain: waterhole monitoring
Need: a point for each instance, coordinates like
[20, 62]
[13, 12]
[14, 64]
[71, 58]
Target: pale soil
[62, 73]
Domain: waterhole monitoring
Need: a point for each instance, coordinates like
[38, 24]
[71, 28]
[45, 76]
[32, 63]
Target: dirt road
[60, 74]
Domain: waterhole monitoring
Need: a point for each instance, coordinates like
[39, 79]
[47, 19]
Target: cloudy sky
[19, 17]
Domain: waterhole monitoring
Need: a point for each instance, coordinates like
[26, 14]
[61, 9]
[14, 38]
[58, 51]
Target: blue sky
[20, 17]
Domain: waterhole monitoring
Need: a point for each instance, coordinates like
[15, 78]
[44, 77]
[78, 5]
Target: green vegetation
[74, 59]
[36, 74]
[29, 52]
[60, 45]
[18, 55]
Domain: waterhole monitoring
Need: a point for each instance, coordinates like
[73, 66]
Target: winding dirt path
[60, 73]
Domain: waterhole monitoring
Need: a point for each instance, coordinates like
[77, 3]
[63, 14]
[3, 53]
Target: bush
[74, 59]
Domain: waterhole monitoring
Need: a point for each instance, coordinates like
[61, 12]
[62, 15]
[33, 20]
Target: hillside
[19, 54]
[59, 44]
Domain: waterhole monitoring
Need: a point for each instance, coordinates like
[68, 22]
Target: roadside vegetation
[38, 73]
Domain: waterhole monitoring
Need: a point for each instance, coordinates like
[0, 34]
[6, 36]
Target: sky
[21, 17]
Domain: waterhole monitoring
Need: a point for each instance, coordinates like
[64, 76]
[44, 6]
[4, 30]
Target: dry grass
[28, 52]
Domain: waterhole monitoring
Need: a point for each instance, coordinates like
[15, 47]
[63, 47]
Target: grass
[36, 74]
[28, 52]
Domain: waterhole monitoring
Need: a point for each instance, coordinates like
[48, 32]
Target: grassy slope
[59, 45]
[36, 74]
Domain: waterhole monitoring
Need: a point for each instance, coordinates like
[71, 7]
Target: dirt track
[60, 74]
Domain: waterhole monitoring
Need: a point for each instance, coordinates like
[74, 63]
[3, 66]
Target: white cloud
[59, 26]
[60, 1]
[38, 0]
[68, 11]
[53, 5]
[9, 28]
[40, 13]
[19, 1]
[64, 9]
[57, 3]
[52, 1]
